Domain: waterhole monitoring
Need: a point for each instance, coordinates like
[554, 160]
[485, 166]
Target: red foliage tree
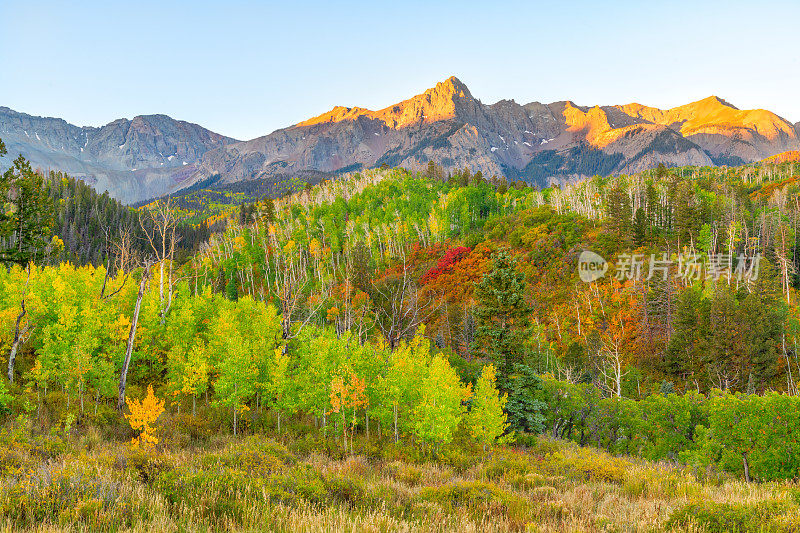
[446, 263]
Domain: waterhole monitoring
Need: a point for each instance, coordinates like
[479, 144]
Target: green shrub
[253, 455]
[198, 428]
[481, 499]
[102, 415]
[6, 399]
[507, 464]
[457, 456]
[463, 494]
[405, 473]
[301, 482]
[347, 490]
[47, 446]
[10, 461]
[310, 444]
[592, 467]
[148, 467]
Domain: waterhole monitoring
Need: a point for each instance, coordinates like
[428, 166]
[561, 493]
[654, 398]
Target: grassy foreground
[92, 483]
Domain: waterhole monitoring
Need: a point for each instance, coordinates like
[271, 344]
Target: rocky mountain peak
[589, 122]
[441, 102]
[714, 102]
[450, 88]
[337, 114]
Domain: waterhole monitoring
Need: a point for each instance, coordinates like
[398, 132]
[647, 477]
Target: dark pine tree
[763, 315]
[640, 228]
[26, 221]
[618, 213]
[502, 316]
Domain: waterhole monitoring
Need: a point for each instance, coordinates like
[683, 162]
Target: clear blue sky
[246, 68]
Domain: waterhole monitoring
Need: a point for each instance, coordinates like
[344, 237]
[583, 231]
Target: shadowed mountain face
[131, 159]
[537, 142]
[541, 143]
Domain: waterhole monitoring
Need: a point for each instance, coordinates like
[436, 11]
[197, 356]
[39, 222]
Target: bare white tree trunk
[123, 377]
[19, 332]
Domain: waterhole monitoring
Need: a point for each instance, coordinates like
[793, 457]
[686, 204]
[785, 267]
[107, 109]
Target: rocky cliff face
[537, 142]
[131, 159]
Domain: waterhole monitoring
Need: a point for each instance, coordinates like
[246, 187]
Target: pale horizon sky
[244, 69]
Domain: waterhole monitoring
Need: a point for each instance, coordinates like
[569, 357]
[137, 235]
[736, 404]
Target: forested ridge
[86, 223]
[440, 313]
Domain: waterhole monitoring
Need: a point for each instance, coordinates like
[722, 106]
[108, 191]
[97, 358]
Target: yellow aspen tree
[439, 408]
[345, 395]
[486, 418]
[143, 415]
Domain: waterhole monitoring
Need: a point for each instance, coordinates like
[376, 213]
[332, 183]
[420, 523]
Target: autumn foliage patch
[446, 263]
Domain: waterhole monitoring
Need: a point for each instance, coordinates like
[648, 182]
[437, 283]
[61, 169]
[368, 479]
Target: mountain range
[149, 156]
[131, 159]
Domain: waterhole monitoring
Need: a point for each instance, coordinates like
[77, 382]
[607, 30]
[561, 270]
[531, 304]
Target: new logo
[591, 266]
